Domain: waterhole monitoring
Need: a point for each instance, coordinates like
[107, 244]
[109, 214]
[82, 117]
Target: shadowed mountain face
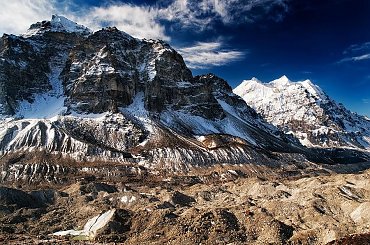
[69, 95]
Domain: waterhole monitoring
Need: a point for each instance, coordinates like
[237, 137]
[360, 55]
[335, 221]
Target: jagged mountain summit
[306, 111]
[70, 95]
[57, 24]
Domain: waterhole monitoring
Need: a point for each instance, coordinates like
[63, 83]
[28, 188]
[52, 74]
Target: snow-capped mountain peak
[255, 79]
[281, 82]
[242, 89]
[303, 109]
[57, 23]
[107, 96]
[62, 23]
[313, 89]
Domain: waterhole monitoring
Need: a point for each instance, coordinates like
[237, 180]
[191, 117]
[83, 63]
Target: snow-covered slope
[110, 98]
[303, 109]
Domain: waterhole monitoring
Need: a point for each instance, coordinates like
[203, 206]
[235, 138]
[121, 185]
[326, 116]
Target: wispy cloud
[357, 48]
[355, 58]
[140, 20]
[366, 101]
[16, 16]
[356, 52]
[203, 13]
[203, 55]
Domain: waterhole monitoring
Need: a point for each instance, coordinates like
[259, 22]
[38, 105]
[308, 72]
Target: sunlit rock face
[307, 112]
[109, 97]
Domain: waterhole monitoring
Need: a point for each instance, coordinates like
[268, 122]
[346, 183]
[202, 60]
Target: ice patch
[138, 111]
[49, 104]
[232, 124]
[127, 199]
[91, 227]
[44, 106]
[99, 67]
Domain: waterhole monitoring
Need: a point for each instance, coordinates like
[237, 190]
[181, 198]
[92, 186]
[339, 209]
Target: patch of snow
[99, 67]
[232, 127]
[233, 172]
[313, 89]
[44, 106]
[68, 233]
[232, 124]
[158, 49]
[151, 71]
[184, 84]
[200, 138]
[138, 111]
[49, 104]
[197, 124]
[127, 199]
[22, 64]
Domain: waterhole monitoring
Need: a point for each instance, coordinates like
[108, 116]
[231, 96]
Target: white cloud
[355, 48]
[203, 55]
[355, 58]
[356, 52]
[366, 101]
[17, 15]
[361, 57]
[138, 21]
[202, 13]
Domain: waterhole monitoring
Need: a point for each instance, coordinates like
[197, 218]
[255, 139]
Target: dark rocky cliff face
[109, 68]
[109, 97]
[24, 65]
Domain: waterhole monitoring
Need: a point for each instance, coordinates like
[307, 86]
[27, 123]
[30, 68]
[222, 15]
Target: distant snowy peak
[277, 85]
[303, 109]
[57, 24]
[281, 82]
[306, 85]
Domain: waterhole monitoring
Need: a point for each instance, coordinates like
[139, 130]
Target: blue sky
[325, 41]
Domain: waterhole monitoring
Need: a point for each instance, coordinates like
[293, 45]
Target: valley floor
[321, 209]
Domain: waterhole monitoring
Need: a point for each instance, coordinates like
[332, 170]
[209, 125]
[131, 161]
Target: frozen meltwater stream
[49, 104]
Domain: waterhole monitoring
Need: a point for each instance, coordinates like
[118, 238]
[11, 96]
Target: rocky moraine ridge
[72, 95]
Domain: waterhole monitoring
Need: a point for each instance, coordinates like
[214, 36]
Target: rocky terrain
[105, 138]
[219, 206]
[307, 112]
